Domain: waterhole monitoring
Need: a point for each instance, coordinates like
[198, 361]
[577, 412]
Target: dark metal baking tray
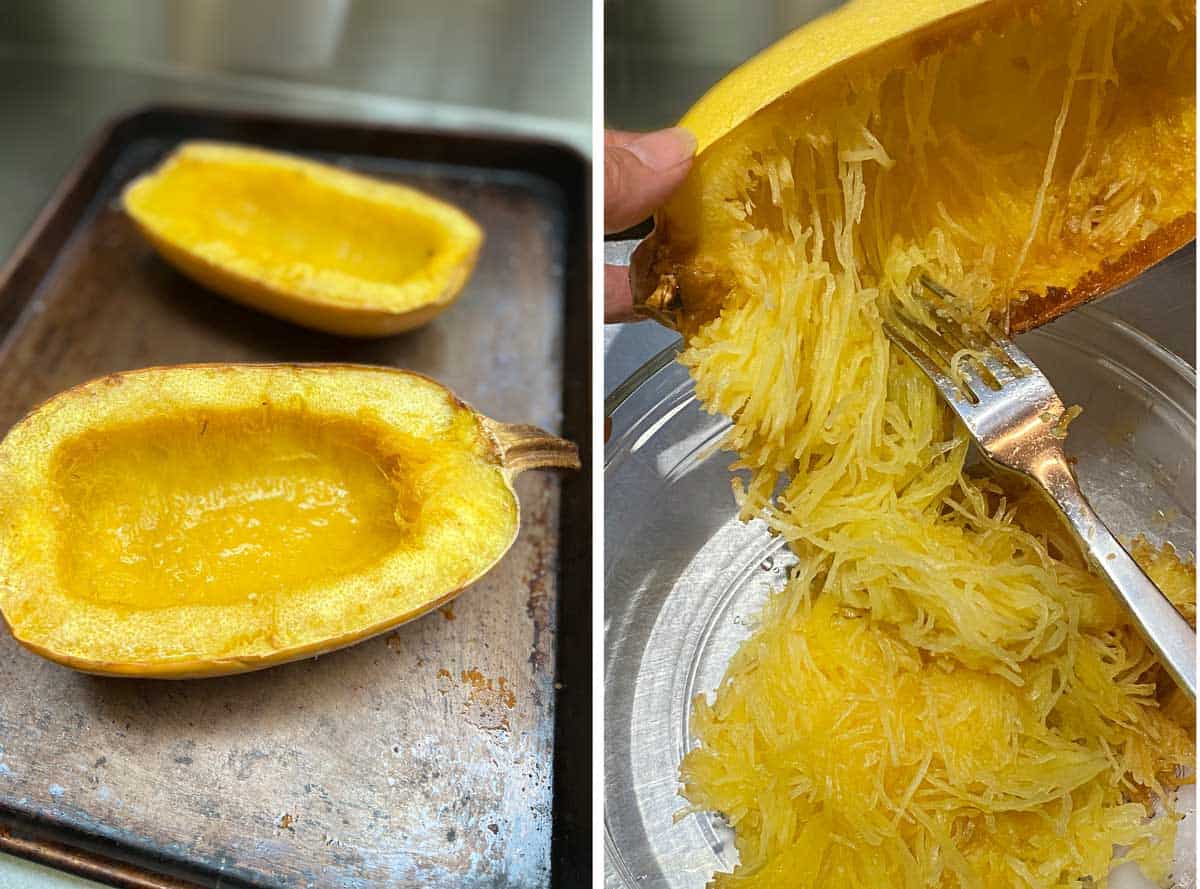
[398, 761]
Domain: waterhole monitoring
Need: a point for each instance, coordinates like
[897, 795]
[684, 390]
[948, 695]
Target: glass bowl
[683, 575]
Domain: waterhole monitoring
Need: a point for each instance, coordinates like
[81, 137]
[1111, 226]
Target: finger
[641, 171]
[618, 297]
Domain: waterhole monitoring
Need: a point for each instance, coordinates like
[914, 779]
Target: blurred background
[660, 56]
[68, 66]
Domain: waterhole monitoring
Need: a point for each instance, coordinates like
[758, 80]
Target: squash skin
[824, 48]
[507, 449]
[386, 310]
[667, 277]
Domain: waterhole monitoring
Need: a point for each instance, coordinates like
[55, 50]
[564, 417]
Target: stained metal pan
[397, 761]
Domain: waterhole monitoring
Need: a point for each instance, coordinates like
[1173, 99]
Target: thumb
[641, 171]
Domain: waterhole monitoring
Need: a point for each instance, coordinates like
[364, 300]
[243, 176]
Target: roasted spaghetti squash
[305, 241]
[209, 519]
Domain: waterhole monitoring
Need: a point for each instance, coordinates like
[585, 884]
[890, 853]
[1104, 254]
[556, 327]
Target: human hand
[641, 170]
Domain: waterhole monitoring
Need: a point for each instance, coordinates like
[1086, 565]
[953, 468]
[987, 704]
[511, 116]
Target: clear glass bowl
[682, 574]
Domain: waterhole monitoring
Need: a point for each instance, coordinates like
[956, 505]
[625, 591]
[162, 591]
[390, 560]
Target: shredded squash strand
[943, 695]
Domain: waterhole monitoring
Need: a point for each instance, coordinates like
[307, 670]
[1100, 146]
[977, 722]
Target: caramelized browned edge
[663, 286]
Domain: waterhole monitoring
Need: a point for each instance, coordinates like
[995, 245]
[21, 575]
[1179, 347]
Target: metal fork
[1019, 423]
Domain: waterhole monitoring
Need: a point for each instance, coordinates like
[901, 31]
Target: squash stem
[528, 447]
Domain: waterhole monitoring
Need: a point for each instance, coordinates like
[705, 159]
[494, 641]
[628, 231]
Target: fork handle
[1171, 637]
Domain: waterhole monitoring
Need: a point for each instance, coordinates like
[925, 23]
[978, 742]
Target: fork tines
[959, 354]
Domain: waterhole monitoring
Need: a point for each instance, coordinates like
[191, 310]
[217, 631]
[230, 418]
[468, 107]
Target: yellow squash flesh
[211, 519]
[944, 695]
[990, 136]
[305, 241]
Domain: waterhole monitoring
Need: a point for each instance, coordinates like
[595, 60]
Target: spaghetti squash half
[202, 520]
[305, 241]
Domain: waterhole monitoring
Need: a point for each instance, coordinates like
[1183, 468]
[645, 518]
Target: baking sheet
[428, 756]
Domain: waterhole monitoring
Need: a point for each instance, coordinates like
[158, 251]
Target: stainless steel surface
[529, 57]
[1020, 425]
[619, 253]
[660, 56]
[76, 862]
[22, 873]
[684, 578]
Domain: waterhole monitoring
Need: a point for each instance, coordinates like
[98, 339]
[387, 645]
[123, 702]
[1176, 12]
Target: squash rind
[820, 49]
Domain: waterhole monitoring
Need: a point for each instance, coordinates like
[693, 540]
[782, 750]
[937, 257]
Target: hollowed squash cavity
[229, 506]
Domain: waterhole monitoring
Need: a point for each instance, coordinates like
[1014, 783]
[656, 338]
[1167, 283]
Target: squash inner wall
[284, 216]
[224, 507]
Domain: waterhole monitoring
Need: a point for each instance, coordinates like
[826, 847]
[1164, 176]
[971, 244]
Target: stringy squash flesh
[1045, 155]
[212, 519]
[305, 241]
[943, 695]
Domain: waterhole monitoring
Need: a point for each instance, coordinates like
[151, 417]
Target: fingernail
[664, 149]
